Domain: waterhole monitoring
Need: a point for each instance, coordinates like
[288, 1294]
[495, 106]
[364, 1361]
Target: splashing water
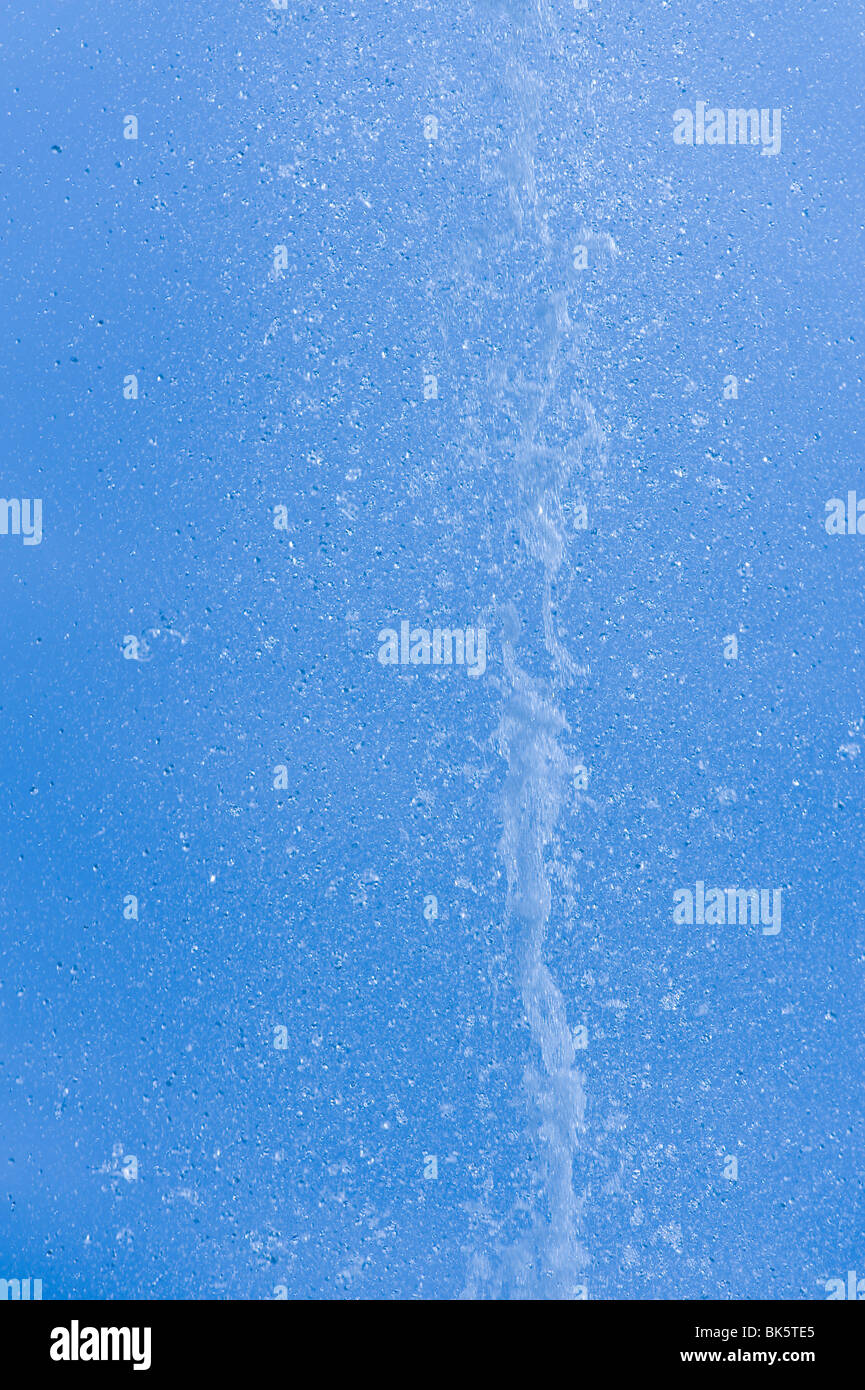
[545, 1262]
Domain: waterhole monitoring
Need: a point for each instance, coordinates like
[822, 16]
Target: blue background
[301, 1169]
